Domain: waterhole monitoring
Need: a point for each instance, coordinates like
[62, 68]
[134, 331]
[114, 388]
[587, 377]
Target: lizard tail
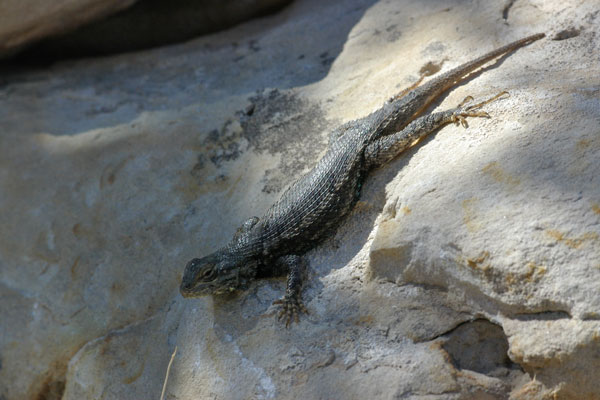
[432, 89]
[406, 108]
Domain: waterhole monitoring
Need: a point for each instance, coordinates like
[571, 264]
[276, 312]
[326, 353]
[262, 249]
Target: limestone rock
[147, 24]
[24, 21]
[468, 270]
[77, 28]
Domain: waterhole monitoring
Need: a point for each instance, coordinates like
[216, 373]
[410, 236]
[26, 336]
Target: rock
[78, 28]
[508, 224]
[114, 172]
[25, 21]
[150, 23]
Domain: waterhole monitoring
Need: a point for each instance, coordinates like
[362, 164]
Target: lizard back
[312, 207]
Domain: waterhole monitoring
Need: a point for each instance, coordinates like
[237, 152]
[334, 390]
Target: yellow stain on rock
[583, 144]
[534, 272]
[573, 243]
[190, 187]
[74, 266]
[110, 172]
[136, 374]
[494, 170]
[364, 320]
[476, 262]
[509, 281]
[470, 216]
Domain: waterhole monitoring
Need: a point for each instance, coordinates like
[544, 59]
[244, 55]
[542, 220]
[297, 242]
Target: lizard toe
[291, 308]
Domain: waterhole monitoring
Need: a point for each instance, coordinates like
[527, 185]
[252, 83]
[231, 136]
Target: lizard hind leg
[386, 148]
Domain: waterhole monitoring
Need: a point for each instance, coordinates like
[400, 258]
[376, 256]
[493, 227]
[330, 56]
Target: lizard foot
[291, 308]
[472, 110]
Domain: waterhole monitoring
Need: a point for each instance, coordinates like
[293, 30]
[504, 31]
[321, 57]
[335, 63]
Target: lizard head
[217, 273]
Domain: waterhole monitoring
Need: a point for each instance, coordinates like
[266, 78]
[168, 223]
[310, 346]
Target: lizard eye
[208, 275]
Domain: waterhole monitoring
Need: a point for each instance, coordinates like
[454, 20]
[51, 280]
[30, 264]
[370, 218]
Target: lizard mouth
[203, 278]
[195, 290]
[201, 289]
[224, 290]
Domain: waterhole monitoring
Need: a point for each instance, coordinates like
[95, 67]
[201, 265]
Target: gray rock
[147, 24]
[25, 21]
[469, 268]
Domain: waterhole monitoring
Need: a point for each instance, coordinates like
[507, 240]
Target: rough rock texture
[24, 21]
[469, 269]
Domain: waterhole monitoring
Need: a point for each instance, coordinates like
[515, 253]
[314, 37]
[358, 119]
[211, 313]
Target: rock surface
[25, 21]
[147, 24]
[469, 268]
[79, 28]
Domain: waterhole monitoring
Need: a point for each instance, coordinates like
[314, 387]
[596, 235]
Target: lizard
[312, 208]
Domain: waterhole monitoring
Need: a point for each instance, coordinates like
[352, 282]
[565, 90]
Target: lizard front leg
[291, 303]
[388, 147]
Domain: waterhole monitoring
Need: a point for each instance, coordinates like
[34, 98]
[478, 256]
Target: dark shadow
[479, 346]
[543, 316]
[146, 24]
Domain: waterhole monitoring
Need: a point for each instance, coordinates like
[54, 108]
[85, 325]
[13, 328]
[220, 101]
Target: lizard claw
[291, 308]
[461, 117]
[472, 107]
[466, 100]
[463, 111]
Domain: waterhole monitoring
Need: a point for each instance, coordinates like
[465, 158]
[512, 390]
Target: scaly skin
[314, 206]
